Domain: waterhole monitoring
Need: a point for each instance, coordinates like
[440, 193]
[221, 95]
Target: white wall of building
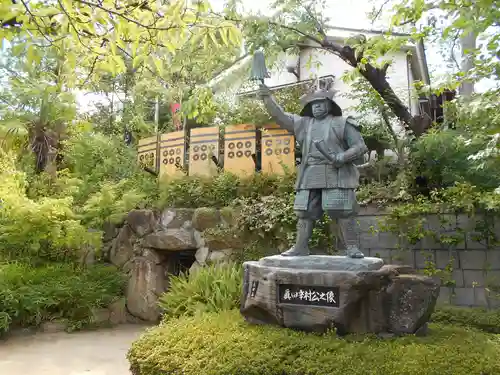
[318, 63]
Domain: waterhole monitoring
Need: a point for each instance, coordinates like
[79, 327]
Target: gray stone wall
[474, 256]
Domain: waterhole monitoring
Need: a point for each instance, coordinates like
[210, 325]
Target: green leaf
[234, 35]
[112, 45]
[223, 34]
[138, 60]
[214, 39]
[158, 63]
[206, 41]
[18, 48]
[120, 64]
[170, 47]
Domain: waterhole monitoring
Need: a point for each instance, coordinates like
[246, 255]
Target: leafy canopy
[97, 35]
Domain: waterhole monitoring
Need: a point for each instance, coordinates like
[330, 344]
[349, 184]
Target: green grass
[483, 319]
[223, 344]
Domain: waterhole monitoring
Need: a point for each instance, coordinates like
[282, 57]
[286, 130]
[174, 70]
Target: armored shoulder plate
[352, 121]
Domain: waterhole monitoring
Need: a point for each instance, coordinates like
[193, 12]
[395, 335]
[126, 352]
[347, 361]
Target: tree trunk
[468, 44]
[378, 80]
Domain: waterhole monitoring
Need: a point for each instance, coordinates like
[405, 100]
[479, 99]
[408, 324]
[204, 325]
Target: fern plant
[211, 289]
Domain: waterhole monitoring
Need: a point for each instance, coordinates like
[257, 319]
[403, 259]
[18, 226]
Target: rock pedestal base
[317, 293]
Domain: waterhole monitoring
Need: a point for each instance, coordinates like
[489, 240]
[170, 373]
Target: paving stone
[385, 254]
[480, 297]
[422, 256]
[472, 259]
[403, 257]
[458, 276]
[368, 240]
[388, 240]
[367, 223]
[493, 259]
[466, 223]
[441, 223]
[463, 297]
[473, 278]
[445, 295]
[443, 258]
[493, 276]
[476, 240]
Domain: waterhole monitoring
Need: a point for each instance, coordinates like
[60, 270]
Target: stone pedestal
[317, 293]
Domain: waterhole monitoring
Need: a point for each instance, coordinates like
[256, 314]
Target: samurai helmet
[320, 94]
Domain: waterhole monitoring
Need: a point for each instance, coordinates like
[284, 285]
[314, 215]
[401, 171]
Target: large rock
[411, 302]
[123, 247]
[110, 231]
[175, 217]
[142, 222]
[147, 282]
[205, 218]
[171, 240]
[317, 294]
[221, 256]
[229, 216]
[118, 312]
[224, 239]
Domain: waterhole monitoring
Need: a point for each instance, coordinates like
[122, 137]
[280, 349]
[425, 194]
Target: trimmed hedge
[223, 344]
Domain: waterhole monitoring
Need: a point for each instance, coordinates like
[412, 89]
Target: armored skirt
[336, 203]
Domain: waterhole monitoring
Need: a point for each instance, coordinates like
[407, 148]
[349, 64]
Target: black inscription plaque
[310, 295]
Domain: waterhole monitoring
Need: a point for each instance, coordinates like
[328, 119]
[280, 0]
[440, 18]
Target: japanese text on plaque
[309, 295]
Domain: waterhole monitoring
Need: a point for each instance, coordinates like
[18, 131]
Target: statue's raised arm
[285, 120]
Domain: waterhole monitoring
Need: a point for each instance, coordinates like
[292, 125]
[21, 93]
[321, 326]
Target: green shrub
[210, 289]
[46, 228]
[220, 190]
[100, 176]
[223, 344]
[269, 218]
[442, 157]
[94, 158]
[29, 295]
[485, 320]
[270, 222]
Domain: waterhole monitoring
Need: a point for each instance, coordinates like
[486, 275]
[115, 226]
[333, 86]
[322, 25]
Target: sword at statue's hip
[320, 146]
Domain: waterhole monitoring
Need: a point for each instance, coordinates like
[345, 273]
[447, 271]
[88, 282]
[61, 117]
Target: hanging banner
[278, 150]
[176, 115]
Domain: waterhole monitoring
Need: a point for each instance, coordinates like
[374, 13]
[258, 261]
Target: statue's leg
[348, 231]
[305, 225]
[304, 233]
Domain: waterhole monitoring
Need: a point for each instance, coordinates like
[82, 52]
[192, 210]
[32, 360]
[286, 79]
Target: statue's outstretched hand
[263, 91]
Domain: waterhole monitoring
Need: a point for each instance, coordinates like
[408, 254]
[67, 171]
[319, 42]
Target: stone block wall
[473, 259]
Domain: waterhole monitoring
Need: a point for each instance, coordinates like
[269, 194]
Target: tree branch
[384, 68]
[375, 16]
[126, 17]
[36, 23]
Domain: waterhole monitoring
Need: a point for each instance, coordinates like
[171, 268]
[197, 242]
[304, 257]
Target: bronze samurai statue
[327, 178]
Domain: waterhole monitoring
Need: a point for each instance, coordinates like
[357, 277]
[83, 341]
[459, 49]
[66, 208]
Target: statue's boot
[304, 233]
[349, 232]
